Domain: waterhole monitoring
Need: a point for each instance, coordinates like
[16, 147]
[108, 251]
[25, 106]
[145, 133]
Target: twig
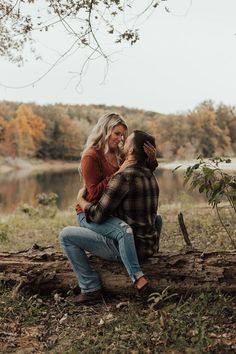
[184, 230]
[33, 248]
[221, 221]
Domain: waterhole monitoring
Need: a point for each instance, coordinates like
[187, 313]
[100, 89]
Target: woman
[101, 159]
[102, 156]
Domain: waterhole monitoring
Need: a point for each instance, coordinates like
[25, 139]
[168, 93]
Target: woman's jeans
[112, 240]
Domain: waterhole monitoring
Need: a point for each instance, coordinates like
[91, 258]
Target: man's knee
[126, 230]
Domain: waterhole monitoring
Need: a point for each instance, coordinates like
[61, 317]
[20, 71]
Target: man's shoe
[146, 291]
[88, 298]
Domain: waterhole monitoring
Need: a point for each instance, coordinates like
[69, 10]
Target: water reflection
[19, 187]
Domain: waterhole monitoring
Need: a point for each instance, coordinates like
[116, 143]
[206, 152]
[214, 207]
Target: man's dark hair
[139, 139]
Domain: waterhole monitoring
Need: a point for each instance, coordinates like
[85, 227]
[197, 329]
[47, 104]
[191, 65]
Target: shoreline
[35, 165]
[8, 165]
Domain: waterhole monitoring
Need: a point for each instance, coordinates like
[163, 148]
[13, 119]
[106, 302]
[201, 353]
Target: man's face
[128, 144]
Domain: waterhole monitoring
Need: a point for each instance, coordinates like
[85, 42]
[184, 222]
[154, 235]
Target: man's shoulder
[136, 171]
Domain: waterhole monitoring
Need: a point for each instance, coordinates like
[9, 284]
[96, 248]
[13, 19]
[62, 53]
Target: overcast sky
[184, 57]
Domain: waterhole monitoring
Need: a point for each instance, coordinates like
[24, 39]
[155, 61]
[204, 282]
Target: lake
[21, 187]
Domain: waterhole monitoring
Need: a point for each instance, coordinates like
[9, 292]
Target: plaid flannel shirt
[131, 195]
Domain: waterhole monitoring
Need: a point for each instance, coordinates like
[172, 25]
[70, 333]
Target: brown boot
[143, 287]
[88, 298]
[141, 283]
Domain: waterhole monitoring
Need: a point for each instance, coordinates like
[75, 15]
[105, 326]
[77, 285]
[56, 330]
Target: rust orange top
[97, 172]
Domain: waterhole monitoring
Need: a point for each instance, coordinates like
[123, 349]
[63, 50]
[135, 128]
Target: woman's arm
[94, 181]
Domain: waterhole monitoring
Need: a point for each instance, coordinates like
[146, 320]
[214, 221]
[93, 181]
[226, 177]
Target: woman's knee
[64, 234]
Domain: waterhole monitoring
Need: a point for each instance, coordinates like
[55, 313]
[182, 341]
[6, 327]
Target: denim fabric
[75, 241]
[122, 236]
[113, 240]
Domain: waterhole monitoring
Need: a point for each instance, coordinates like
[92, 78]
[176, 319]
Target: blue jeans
[112, 240]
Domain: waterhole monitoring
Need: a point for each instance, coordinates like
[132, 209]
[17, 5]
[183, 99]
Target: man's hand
[150, 150]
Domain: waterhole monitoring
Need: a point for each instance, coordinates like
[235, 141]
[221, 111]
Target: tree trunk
[44, 270]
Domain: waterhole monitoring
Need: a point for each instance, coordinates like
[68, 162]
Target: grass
[204, 323]
[195, 324]
[21, 229]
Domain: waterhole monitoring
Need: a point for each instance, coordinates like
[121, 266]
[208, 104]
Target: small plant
[218, 186]
[28, 209]
[47, 204]
[47, 199]
[4, 228]
[157, 300]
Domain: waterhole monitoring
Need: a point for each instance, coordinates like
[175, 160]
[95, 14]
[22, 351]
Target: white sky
[180, 61]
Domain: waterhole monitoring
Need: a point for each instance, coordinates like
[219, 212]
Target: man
[131, 195]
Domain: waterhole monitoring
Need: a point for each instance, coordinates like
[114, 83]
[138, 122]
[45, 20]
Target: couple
[117, 208]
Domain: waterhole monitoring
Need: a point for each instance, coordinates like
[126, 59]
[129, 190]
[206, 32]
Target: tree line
[59, 131]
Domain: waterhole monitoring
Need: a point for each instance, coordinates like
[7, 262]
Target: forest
[59, 131]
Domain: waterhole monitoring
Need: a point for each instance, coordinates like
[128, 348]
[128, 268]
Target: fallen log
[44, 270]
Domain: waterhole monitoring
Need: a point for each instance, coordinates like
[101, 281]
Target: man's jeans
[112, 240]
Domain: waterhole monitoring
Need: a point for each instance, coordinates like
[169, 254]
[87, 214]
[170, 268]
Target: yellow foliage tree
[71, 138]
[3, 124]
[205, 134]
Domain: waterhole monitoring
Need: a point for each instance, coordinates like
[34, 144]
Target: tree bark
[41, 269]
[44, 270]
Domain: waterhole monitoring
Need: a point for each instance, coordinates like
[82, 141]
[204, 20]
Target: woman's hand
[127, 163]
[150, 150]
[81, 193]
[80, 198]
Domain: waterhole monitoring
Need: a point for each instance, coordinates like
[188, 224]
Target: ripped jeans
[112, 240]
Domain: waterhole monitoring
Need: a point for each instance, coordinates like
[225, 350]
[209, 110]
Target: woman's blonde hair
[102, 131]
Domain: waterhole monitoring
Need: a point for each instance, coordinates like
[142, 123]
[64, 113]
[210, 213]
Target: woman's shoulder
[93, 152]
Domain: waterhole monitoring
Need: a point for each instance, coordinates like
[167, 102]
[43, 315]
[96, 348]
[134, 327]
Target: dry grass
[205, 323]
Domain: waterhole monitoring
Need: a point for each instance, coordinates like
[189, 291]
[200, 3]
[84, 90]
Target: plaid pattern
[131, 195]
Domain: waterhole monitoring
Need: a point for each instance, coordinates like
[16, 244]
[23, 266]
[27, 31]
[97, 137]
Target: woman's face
[117, 135]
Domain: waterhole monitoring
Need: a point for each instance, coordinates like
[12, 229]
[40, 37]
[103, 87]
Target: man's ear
[131, 150]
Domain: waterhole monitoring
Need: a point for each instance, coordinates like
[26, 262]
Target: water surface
[20, 187]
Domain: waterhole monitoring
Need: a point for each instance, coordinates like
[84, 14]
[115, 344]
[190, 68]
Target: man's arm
[108, 203]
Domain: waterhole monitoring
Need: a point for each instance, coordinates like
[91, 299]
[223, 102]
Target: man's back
[132, 195]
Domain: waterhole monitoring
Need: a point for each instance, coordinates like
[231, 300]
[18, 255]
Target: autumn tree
[226, 120]
[23, 134]
[205, 134]
[172, 135]
[3, 124]
[71, 138]
[59, 131]
[10, 146]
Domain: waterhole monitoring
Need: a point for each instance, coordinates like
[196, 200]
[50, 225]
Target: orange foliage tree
[23, 134]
